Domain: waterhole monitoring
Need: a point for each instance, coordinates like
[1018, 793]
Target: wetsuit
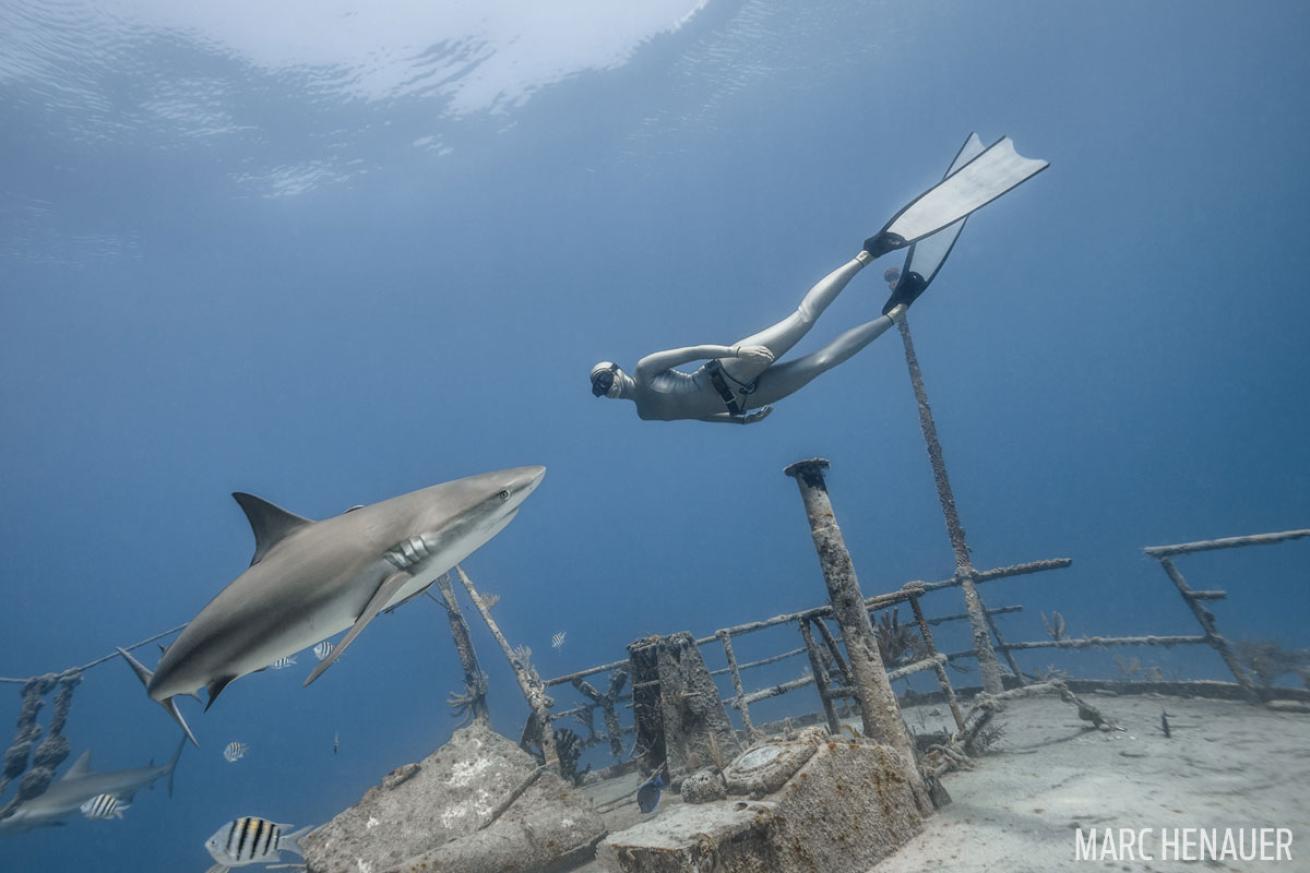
[732, 383]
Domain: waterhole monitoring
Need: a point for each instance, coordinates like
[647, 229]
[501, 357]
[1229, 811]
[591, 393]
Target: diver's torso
[673, 394]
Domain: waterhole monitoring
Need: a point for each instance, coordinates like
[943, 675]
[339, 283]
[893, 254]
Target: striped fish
[252, 840]
[104, 806]
[282, 663]
[235, 751]
[557, 641]
[323, 649]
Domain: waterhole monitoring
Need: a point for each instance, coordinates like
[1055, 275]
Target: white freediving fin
[927, 255]
[170, 704]
[376, 604]
[994, 172]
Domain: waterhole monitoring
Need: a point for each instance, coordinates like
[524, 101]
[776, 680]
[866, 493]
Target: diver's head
[892, 275]
[605, 379]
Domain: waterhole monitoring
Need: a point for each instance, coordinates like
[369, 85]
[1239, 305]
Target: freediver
[739, 383]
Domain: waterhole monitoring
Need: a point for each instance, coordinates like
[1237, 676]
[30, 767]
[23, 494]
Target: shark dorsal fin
[81, 767]
[270, 524]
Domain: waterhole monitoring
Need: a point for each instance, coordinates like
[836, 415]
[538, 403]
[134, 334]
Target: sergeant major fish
[104, 806]
[252, 840]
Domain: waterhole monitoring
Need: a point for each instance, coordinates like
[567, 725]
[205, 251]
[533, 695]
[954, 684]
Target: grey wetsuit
[664, 393]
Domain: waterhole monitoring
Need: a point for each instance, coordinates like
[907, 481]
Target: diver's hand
[754, 354]
[760, 414]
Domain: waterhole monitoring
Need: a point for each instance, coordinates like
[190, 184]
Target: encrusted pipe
[739, 699]
[529, 682]
[879, 710]
[475, 682]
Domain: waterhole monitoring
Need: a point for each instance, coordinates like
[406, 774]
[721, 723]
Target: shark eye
[503, 494]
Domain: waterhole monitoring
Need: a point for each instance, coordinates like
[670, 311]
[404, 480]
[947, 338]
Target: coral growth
[1268, 661]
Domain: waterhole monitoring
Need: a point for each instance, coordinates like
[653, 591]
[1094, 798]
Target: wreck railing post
[878, 706]
[820, 678]
[1205, 618]
[943, 680]
[988, 666]
[534, 690]
[475, 683]
[739, 700]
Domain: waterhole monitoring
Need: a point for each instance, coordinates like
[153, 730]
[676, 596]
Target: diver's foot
[908, 288]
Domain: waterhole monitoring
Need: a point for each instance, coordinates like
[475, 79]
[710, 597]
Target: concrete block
[725, 837]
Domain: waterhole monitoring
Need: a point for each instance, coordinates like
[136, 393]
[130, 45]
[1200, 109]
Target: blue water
[343, 252]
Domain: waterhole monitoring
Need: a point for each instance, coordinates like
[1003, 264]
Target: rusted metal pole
[762, 662]
[1264, 539]
[534, 691]
[475, 682]
[988, 666]
[739, 700]
[831, 644]
[1205, 618]
[820, 678]
[943, 679]
[964, 616]
[879, 710]
[605, 703]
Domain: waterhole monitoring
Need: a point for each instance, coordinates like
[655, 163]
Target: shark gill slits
[408, 553]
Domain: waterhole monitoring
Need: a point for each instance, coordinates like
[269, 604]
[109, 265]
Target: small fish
[283, 663]
[1164, 724]
[323, 649]
[557, 641]
[336, 743]
[253, 840]
[648, 795]
[104, 806]
[235, 751]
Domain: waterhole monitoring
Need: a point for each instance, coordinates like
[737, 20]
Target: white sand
[1228, 765]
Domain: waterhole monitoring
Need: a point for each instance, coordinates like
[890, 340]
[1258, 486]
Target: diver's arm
[670, 358]
[749, 418]
[667, 360]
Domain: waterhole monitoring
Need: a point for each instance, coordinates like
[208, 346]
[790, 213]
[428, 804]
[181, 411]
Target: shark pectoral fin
[171, 705]
[380, 598]
[215, 688]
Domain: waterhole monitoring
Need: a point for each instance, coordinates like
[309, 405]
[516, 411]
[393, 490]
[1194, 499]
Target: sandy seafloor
[1227, 765]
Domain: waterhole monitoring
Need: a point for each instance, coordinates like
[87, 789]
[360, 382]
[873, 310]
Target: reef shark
[79, 785]
[311, 579]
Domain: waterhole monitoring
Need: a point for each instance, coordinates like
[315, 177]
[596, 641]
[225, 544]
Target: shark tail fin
[291, 842]
[170, 703]
[172, 763]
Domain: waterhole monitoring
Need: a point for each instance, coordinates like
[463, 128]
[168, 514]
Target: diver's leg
[780, 337]
[780, 380]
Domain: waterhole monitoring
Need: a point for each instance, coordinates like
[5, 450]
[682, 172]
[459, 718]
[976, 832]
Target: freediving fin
[169, 703]
[387, 590]
[994, 172]
[927, 255]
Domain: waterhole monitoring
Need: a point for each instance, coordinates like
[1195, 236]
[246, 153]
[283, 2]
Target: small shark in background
[309, 579]
[80, 784]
